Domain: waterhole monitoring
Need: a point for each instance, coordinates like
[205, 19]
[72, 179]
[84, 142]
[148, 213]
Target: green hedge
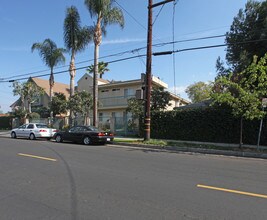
[5, 123]
[205, 125]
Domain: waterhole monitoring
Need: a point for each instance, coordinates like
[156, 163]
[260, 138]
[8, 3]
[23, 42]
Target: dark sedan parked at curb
[84, 134]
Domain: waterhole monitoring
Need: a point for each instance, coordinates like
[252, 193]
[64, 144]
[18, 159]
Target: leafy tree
[34, 116]
[59, 104]
[199, 91]
[81, 103]
[244, 92]
[159, 102]
[19, 90]
[249, 25]
[221, 69]
[102, 68]
[20, 113]
[52, 56]
[136, 107]
[44, 112]
[105, 13]
[27, 91]
[160, 99]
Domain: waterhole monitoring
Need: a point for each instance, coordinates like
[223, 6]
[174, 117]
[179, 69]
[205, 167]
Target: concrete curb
[5, 134]
[182, 149]
[197, 150]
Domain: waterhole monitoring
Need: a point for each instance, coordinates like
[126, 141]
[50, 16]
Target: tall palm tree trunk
[72, 76]
[51, 84]
[97, 42]
[95, 86]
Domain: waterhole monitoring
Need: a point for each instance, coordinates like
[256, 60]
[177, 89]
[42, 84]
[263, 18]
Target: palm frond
[114, 16]
[75, 37]
[50, 54]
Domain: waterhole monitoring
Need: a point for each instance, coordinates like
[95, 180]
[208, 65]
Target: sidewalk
[253, 153]
[4, 133]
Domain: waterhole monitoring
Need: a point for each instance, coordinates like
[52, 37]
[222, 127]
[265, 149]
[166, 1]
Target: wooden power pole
[148, 80]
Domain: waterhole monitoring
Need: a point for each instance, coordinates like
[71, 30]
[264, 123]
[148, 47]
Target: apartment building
[113, 97]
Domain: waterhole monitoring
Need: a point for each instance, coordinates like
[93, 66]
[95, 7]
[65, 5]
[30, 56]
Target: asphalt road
[47, 180]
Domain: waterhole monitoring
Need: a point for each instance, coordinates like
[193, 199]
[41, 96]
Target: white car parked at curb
[33, 131]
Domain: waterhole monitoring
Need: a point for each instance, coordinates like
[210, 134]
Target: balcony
[117, 101]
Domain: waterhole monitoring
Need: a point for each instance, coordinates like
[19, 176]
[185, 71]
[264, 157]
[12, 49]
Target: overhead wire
[158, 14]
[142, 55]
[134, 19]
[130, 15]
[114, 55]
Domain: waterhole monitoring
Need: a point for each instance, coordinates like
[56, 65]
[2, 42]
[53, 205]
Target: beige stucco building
[113, 97]
[43, 100]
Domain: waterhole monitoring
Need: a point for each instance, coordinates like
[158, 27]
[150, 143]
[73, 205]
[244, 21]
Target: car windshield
[91, 128]
[41, 126]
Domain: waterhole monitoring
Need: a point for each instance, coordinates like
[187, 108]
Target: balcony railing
[119, 101]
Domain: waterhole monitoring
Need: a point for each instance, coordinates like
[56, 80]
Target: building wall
[85, 84]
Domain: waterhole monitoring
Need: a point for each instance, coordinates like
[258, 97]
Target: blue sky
[26, 22]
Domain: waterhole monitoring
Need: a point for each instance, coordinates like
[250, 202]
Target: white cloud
[123, 41]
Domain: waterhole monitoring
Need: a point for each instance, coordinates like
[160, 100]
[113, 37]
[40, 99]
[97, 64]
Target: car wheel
[87, 140]
[13, 135]
[32, 136]
[59, 139]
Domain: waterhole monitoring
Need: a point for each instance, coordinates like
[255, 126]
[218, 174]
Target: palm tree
[52, 56]
[102, 68]
[105, 13]
[76, 38]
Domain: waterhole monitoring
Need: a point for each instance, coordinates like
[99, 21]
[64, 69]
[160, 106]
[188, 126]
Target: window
[74, 129]
[113, 90]
[30, 126]
[82, 129]
[100, 116]
[129, 92]
[41, 126]
[22, 127]
[105, 90]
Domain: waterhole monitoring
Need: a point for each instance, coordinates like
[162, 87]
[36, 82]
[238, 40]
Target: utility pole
[148, 67]
[148, 72]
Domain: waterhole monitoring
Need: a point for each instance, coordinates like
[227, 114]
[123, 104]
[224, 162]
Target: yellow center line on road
[37, 157]
[233, 191]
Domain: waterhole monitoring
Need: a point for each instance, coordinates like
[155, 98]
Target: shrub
[205, 125]
[5, 123]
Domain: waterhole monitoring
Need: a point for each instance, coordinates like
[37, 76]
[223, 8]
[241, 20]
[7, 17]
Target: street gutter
[177, 149]
[239, 153]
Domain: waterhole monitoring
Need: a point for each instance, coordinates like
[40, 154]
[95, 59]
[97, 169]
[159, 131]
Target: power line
[158, 14]
[134, 18]
[116, 54]
[142, 55]
[130, 15]
[205, 47]
[80, 68]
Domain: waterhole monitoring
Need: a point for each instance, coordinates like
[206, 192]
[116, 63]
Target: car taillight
[42, 130]
[100, 134]
[111, 134]
[55, 130]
